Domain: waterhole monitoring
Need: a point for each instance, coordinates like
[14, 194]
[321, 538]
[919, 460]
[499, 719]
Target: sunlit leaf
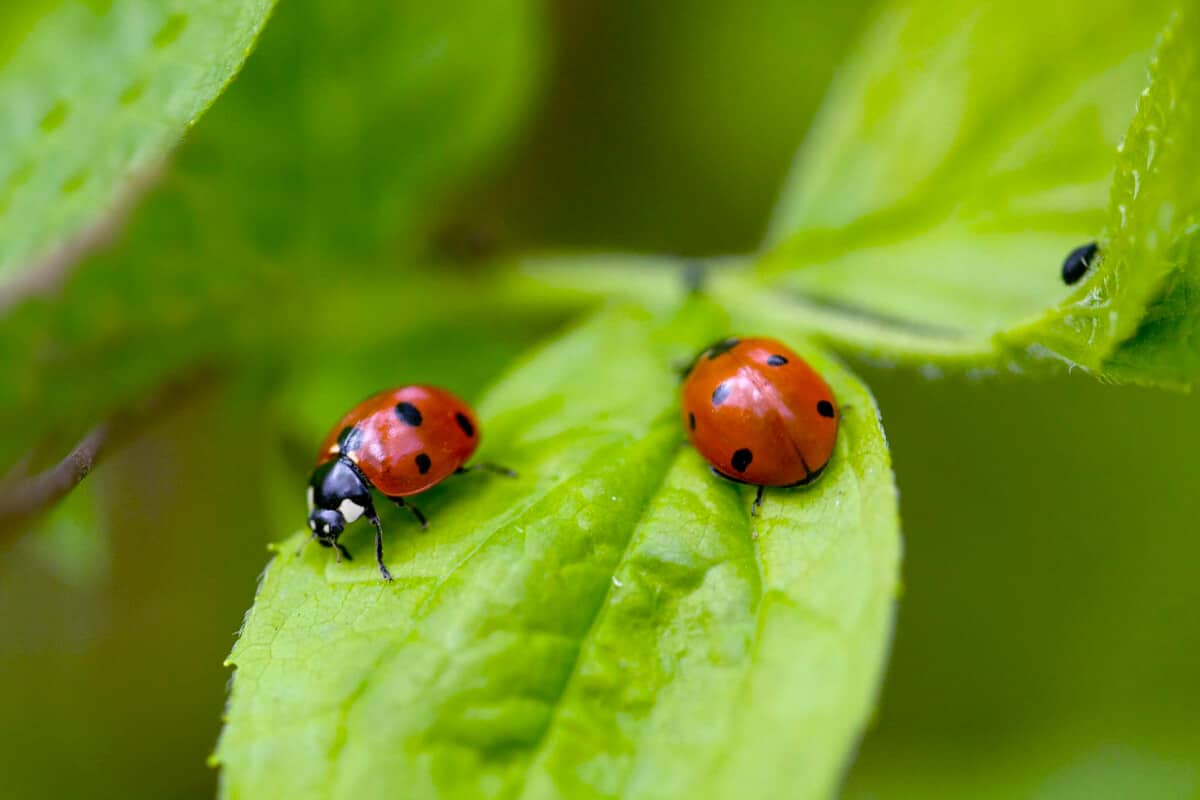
[1139, 317]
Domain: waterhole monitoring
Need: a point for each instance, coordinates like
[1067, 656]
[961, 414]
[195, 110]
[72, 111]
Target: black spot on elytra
[409, 413]
[720, 393]
[465, 424]
[348, 439]
[423, 463]
[825, 408]
[741, 459]
[1078, 262]
[776, 360]
[691, 420]
[721, 347]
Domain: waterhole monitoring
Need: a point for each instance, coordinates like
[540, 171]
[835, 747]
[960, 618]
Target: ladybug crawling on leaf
[399, 442]
[759, 414]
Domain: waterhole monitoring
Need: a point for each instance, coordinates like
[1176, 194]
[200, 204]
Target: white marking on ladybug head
[311, 502]
[312, 523]
[350, 510]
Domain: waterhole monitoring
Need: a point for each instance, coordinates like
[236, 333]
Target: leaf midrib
[537, 748]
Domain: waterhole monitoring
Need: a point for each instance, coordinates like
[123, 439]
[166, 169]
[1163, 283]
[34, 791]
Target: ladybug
[399, 442]
[759, 414]
[1078, 262]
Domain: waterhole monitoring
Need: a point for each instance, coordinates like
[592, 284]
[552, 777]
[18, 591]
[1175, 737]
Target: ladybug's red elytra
[759, 414]
[399, 442]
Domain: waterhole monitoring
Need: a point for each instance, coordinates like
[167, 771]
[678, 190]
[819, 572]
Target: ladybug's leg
[383, 570]
[416, 512]
[342, 551]
[490, 467]
[757, 502]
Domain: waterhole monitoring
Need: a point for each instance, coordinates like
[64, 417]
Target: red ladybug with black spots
[759, 414]
[399, 442]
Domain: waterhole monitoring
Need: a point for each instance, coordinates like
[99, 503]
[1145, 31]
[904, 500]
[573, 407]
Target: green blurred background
[1047, 642]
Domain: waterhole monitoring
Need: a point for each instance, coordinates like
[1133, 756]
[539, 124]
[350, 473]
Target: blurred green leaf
[290, 223]
[963, 153]
[349, 152]
[69, 542]
[95, 92]
[1044, 769]
[606, 624]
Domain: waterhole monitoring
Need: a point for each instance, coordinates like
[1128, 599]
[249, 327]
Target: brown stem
[23, 497]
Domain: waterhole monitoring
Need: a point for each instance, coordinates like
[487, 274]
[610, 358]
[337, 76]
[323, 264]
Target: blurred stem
[24, 497]
[21, 499]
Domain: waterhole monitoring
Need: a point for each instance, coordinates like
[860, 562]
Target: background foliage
[1051, 564]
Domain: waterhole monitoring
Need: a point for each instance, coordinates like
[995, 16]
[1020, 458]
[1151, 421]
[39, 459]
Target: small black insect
[1078, 262]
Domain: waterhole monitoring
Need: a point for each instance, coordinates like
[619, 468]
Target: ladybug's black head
[326, 524]
[337, 496]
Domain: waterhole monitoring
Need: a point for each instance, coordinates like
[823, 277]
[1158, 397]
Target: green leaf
[962, 154]
[606, 624]
[309, 183]
[1138, 319]
[350, 151]
[93, 93]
